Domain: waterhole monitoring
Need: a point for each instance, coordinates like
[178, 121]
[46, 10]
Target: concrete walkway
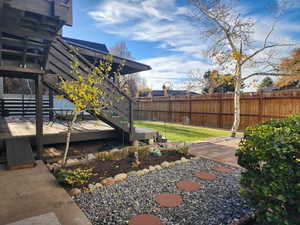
[32, 196]
[221, 149]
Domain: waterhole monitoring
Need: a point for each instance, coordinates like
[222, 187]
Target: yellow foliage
[236, 55]
[59, 96]
[86, 93]
[286, 80]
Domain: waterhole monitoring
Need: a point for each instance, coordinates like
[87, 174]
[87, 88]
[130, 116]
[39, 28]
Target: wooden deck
[55, 132]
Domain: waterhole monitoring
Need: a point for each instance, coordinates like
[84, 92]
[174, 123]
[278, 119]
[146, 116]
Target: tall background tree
[290, 65]
[210, 82]
[133, 82]
[18, 86]
[267, 82]
[232, 45]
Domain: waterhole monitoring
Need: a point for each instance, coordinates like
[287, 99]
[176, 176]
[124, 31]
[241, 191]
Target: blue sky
[158, 32]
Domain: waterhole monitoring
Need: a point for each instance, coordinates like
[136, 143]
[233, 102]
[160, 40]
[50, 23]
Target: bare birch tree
[232, 45]
[132, 82]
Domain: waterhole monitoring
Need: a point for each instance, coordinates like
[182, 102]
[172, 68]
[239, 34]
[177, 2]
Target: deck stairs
[119, 115]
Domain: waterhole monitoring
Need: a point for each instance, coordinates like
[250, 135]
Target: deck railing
[22, 107]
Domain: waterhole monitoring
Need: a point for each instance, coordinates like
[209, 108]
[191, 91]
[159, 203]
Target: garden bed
[102, 169]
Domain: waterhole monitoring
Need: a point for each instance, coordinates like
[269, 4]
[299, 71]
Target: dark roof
[87, 44]
[170, 93]
[92, 51]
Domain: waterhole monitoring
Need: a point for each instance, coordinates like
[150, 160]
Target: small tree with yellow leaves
[87, 92]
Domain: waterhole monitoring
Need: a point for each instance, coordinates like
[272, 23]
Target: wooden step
[19, 153]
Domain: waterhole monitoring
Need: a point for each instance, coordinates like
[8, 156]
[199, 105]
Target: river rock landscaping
[216, 201]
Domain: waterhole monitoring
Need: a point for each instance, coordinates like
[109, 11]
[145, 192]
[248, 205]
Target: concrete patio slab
[34, 192]
[221, 149]
[45, 219]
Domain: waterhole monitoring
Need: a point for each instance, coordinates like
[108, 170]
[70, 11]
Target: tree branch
[264, 48]
[271, 74]
[226, 31]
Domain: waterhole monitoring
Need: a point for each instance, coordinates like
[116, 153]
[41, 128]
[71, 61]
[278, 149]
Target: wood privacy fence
[217, 110]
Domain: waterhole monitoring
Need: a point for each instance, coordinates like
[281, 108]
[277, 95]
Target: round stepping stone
[169, 200]
[205, 176]
[222, 169]
[187, 185]
[145, 219]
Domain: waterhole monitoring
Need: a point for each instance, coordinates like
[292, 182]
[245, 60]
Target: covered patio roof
[95, 51]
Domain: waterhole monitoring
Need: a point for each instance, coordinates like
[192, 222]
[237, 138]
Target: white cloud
[164, 23]
[174, 68]
[114, 12]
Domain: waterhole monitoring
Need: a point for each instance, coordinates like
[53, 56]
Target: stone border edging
[123, 176]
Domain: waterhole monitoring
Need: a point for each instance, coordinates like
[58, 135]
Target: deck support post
[51, 104]
[39, 115]
[131, 117]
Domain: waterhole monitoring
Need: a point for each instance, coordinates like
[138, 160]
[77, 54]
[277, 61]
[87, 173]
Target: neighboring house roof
[170, 93]
[270, 89]
[87, 44]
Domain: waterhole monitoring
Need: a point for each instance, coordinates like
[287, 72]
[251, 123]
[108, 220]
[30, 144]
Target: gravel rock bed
[217, 203]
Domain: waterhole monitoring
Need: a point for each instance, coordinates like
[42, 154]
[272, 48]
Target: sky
[160, 33]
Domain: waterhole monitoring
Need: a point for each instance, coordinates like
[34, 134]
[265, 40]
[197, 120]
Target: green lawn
[178, 132]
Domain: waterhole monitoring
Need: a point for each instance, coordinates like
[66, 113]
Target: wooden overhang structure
[32, 47]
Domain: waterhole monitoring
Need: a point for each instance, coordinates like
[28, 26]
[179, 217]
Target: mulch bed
[110, 168]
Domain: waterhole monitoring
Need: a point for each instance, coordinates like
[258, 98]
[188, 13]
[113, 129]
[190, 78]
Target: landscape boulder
[108, 180]
[98, 185]
[75, 191]
[120, 176]
[157, 167]
[165, 164]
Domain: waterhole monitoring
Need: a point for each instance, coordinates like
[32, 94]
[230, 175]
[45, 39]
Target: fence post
[220, 114]
[260, 106]
[152, 111]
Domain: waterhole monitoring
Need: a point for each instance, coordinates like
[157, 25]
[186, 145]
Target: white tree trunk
[237, 105]
[70, 128]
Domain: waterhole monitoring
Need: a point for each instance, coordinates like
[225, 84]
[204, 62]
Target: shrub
[74, 177]
[143, 153]
[184, 150]
[271, 154]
